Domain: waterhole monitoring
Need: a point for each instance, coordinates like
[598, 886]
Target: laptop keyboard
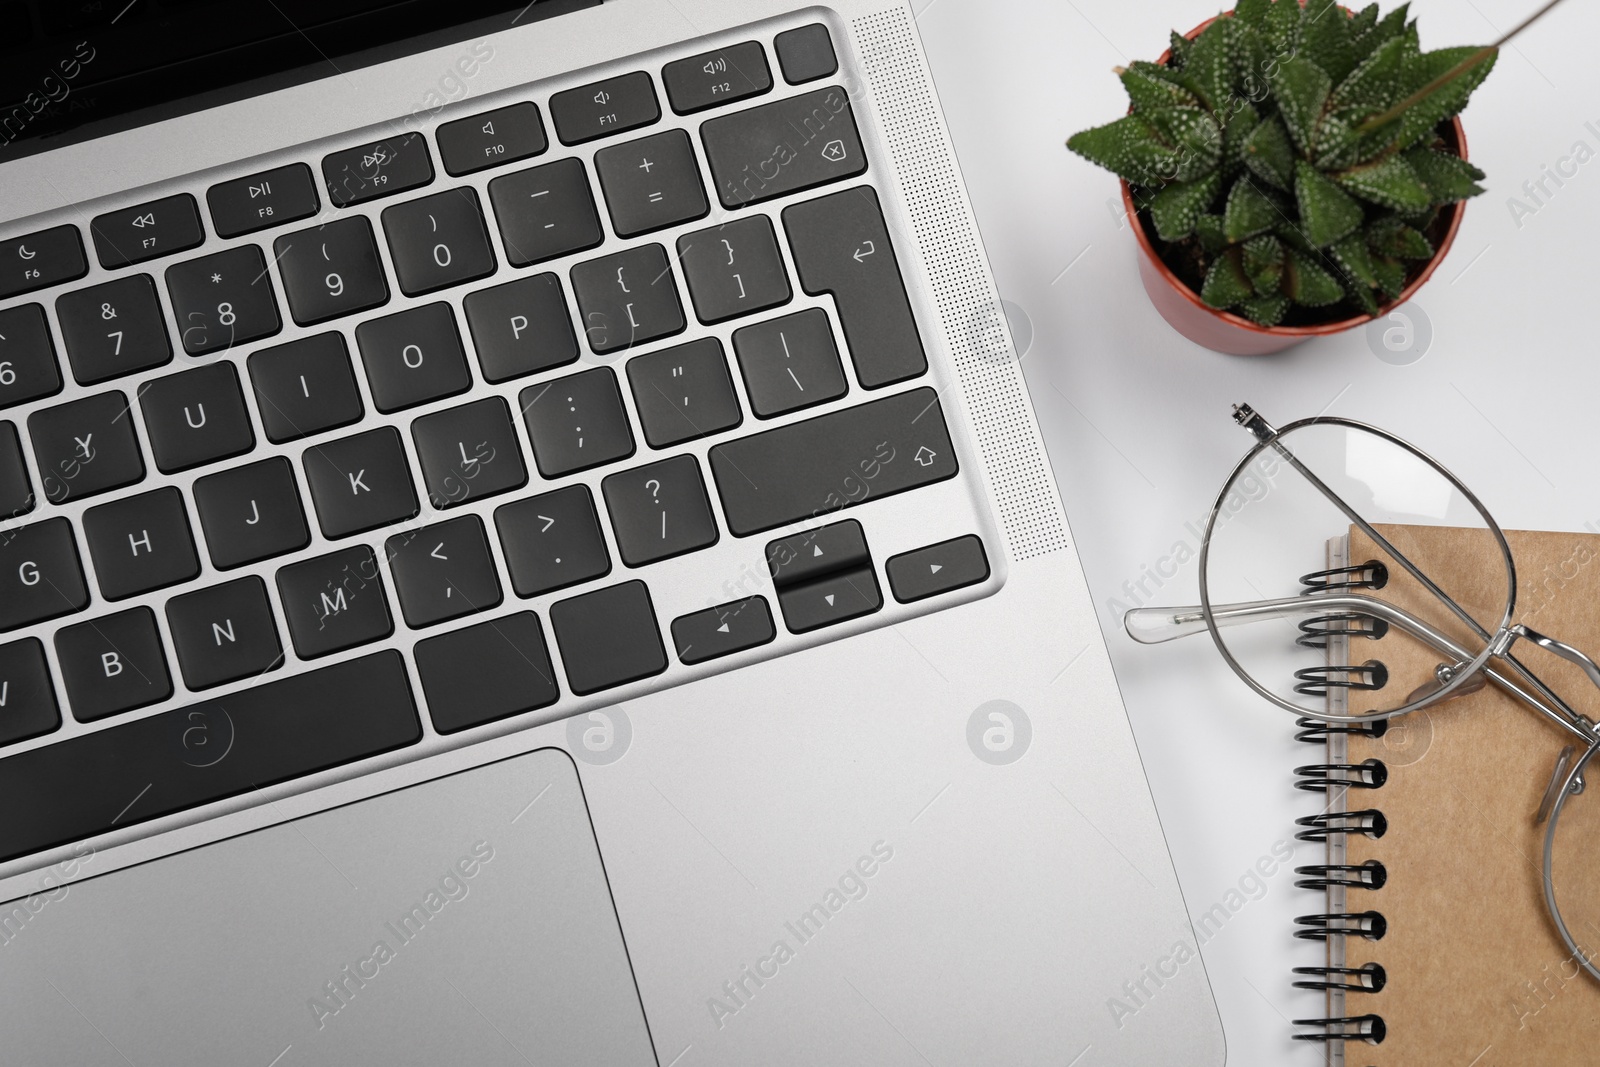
[136, 503]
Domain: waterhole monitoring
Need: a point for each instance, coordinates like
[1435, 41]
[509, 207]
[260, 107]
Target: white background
[1137, 418]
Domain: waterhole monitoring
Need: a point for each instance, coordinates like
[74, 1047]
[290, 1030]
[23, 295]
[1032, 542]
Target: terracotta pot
[1224, 331]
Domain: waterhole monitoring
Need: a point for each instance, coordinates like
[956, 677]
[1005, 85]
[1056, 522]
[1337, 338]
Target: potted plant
[1294, 169]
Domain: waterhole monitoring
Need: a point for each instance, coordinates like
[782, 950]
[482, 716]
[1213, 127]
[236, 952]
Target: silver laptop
[525, 542]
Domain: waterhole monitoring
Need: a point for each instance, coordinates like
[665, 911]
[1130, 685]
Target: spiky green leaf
[1263, 263]
[1282, 25]
[1380, 82]
[1176, 208]
[1339, 143]
[1180, 47]
[1249, 211]
[1391, 276]
[1265, 310]
[1390, 237]
[1383, 30]
[1127, 148]
[1354, 260]
[1307, 283]
[1148, 90]
[1362, 295]
[1226, 283]
[1448, 177]
[1208, 71]
[1325, 38]
[1389, 183]
[1269, 154]
[1445, 101]
[1252, 13]
[1301, 88]
[1327, 212]
[1289, 233]
[1209, 231]
[1238, 129]
[1362, 21]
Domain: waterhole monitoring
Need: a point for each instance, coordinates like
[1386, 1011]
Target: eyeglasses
[1312, 478]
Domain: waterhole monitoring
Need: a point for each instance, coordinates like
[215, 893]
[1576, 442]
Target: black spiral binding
[1318, 632]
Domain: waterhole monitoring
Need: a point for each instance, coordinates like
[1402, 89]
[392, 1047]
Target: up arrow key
[722, 629]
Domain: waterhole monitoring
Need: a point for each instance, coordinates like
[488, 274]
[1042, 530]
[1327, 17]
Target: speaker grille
[969, 309]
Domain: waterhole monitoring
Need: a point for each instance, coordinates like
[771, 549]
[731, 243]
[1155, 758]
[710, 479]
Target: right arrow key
[937, 569]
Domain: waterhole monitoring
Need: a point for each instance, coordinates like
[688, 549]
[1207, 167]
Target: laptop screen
[75, 69]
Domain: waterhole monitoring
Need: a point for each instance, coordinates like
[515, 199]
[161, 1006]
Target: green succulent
[1291, 155]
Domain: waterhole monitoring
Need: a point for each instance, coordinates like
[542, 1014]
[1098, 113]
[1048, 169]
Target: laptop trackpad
[465, 920]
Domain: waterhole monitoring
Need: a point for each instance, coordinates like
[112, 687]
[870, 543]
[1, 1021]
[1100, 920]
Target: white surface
[1137, 418]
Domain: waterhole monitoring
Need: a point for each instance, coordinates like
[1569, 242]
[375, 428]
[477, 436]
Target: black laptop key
[113, 329]
[789, 363]
[36, 260]
[113, 664]
[833, 461]
[443, 571]
[627, 298]
[733, 269]
[718, 77]
[937, 569]
[605, 107]
[85, 447]
[16, 492]
[194, 755]
[413, 356]
[486, 672]
[723, 630]
[805, 557]
[469, 453]
[382, 168]
[608, 638]
[552, 541]
[833, 598]
[683, 392]
[135, 234]
[438, 241]
[360, 483]
[28, 367]
[334, 602]
[28, 705]
[271, 198]
[305, 387]
[576, 422]
[224, 633]
[40, 576]
[659, 510]
[196, 417]
[141, 543]
[503, 135]
[842, 247]
[222, 300]
[251, 513]
[806, 53]
[521, 327]
[545, 212]
[330, 270]
[783, 147]
[651, 183]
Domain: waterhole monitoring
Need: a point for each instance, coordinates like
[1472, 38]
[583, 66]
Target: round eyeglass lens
[1574, 889]
[1323, 516]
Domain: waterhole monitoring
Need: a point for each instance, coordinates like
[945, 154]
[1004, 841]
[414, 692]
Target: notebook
[1474, 972]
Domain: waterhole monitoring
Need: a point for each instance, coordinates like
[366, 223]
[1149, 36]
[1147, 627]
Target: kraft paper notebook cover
[1475, 971]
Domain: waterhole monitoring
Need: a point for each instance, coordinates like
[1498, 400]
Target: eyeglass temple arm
[1151, 626]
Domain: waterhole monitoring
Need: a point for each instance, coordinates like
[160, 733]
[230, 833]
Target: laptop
[525, 542]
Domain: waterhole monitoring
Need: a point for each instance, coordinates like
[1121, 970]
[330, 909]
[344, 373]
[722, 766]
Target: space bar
[204, 752]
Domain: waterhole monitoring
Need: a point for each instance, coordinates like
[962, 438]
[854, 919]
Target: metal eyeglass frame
[1465, 671]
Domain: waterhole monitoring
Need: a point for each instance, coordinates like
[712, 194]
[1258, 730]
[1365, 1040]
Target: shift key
[834, 461]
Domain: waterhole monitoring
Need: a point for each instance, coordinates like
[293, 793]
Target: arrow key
[937, 569]
[723, 630]
[832, 599]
